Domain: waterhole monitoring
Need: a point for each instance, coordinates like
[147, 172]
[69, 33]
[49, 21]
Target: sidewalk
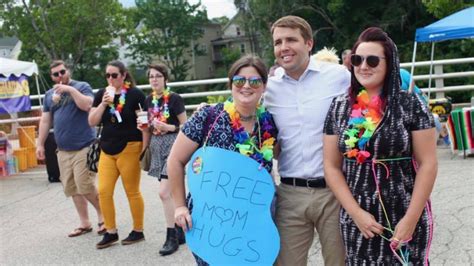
[36, 217]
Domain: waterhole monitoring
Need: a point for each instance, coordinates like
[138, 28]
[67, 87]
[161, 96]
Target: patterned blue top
[221, 134]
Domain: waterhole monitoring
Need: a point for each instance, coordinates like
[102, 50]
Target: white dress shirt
[299, 108]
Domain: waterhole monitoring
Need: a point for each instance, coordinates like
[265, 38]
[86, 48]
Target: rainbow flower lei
[165, 113]
[123, 93]
[365, 116]
[247, 144]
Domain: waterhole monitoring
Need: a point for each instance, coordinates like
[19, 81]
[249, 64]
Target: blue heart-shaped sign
[232, 222]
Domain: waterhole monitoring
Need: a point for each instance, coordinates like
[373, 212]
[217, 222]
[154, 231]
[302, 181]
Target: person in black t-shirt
[116, 107]
[166, 113]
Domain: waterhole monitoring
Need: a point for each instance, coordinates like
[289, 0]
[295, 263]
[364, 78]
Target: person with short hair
[66, 108]
[380, 160]
[405, 78]
[298, 97]
[121, 144]
[346, 58]
[166, 113]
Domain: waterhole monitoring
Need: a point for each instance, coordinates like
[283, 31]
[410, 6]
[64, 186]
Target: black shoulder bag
[94, 153]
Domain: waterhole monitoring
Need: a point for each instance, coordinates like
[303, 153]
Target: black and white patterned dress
[391, 144]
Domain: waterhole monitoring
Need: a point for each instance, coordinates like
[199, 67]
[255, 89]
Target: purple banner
[14, 94]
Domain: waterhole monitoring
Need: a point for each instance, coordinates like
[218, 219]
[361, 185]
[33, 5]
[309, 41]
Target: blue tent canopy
[456, 26]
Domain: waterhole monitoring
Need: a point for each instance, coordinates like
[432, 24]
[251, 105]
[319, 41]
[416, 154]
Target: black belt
[301, 182]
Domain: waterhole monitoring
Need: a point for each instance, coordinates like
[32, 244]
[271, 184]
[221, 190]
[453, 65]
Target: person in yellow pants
[121, 143]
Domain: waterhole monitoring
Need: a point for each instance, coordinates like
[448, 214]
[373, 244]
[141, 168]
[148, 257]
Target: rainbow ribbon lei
[365, 116]
[123, 94]
[246, 143]
[163, 114]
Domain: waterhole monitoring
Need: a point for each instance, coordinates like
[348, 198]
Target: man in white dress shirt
[298, 97]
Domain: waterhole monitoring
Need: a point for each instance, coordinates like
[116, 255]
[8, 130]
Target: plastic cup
[56, 97]
[143, 119]
[110, 91]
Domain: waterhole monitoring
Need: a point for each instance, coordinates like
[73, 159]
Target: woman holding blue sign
[243, 127]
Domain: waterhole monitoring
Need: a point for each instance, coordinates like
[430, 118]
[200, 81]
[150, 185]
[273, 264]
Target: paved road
[36, 217]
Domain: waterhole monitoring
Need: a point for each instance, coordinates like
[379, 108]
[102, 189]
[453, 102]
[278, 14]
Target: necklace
[162, 113]
[246, 118]
[247, 144]
[123, 94]
[365, 116]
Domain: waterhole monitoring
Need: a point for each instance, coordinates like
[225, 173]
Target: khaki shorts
[75, 175]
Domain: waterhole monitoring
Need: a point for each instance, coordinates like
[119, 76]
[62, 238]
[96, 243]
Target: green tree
[65, 30]
[443, 8]
[167, 30]
[77, 31]
[337, 23]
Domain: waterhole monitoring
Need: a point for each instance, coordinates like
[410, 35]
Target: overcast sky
[215, 8]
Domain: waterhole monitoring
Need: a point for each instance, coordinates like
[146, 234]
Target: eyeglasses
[254, 82]
[113, 75]
[372, 60]
[60, 72]
[155, 77]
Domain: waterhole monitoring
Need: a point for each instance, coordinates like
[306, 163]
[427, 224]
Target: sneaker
[107, 241]
[133, 237]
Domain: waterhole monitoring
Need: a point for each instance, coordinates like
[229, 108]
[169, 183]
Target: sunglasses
[60, 72]
[372, 60]
[254, 82]
[113, 75]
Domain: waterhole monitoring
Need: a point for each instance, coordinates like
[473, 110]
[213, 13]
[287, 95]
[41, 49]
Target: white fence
[438, 77]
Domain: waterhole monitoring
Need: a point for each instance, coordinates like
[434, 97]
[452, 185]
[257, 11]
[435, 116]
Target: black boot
[133, 237]
[180, 234]
[107, 241]
[171, 244]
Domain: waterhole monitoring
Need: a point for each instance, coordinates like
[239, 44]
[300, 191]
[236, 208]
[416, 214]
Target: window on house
[168, 32]
[238, 31]
[203, 49]
[242, 48]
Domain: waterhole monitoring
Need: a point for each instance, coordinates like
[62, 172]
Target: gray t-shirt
[71, 128]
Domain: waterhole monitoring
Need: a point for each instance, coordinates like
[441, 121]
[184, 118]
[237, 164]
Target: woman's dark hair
[160, 68]
[375, 34]
[123, 71]
[248, 61]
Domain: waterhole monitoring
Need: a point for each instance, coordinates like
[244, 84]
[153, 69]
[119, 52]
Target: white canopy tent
[15, 67]
[10, 67]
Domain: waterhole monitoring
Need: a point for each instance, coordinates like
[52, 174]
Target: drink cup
[56, 97]
[110, 91]
[143, 119]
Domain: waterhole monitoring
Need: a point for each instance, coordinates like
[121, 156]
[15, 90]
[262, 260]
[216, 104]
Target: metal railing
[438, 77]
